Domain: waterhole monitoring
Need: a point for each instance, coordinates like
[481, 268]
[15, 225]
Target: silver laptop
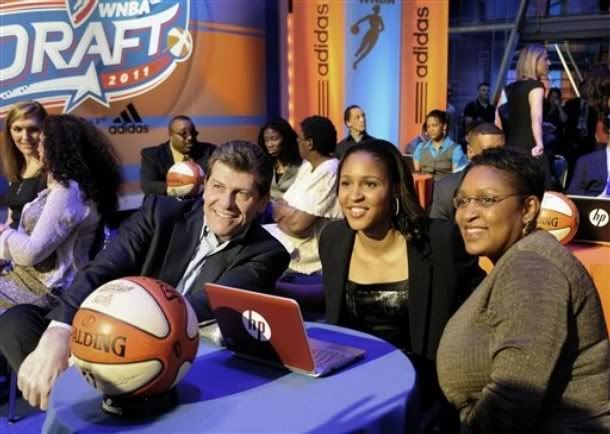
[270, 329]
[594, 213]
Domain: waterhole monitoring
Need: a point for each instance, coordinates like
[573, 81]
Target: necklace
[24, 178]
[19, 187]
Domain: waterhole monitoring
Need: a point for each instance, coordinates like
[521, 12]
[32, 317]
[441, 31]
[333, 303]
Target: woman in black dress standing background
[525, 102]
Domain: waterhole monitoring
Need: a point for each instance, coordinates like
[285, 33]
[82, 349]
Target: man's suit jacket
[442, 199]
[441, 276]
[348, 142]
[590, 174]
[159, 241]
[157, 160]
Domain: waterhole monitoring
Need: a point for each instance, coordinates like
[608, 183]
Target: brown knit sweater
[528, 352]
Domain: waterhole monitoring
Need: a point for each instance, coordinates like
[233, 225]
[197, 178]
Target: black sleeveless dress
[380, 309]
[21, 192]
[520, 135]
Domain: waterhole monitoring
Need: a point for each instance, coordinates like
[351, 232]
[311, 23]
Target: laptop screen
[261, 326]
[594, 214]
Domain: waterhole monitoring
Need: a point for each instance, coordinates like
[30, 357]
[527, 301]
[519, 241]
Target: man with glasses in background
[181, 146]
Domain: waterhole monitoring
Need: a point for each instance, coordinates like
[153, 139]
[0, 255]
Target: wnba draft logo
[256, 325]
[65, 52]
[599, 217]
[80, 10]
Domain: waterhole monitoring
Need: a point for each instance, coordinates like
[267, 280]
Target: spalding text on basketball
[548, 221]
[104, 50]
[109, 344]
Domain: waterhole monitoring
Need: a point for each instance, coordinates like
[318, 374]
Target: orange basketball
[559, 216]
[134, 337]
[184, 179]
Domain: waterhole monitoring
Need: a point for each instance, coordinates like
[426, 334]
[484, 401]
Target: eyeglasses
[186, 134]
[481, 202]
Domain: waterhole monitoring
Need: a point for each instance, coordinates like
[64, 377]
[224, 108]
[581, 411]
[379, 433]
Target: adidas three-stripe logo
[129, 121]
[128, 116]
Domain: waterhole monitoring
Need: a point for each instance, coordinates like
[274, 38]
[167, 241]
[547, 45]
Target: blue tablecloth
[225, 393]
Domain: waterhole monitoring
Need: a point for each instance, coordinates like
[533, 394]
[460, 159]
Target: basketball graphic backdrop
[179, 43]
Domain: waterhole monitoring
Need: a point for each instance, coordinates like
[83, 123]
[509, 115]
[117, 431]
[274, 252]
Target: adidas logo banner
[128, 122]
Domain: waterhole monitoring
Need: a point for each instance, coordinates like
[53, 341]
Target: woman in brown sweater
[528, 352]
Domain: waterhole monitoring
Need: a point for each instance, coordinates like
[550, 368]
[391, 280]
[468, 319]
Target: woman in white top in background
[58, 228]
[311, 201]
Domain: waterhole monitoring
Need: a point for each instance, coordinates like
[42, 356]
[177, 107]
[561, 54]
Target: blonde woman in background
[525, 102]
[20, 160]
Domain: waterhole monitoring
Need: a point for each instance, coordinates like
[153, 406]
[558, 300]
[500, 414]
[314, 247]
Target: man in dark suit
[483, 136]
[591, 174]
[170, 240]
[355, 121]
[182, 145]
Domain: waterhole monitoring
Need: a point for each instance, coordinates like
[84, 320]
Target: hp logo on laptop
[256, 325]
[599, 217]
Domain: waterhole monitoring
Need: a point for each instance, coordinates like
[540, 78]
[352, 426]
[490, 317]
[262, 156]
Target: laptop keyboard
[325, 358]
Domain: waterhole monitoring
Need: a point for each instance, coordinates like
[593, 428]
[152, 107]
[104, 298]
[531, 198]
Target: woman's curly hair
[74, 149]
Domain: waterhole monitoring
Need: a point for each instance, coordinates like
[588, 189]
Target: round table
[225, 393]
[423, 188]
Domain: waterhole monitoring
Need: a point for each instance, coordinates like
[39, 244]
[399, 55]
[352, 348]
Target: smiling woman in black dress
[388, 269]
